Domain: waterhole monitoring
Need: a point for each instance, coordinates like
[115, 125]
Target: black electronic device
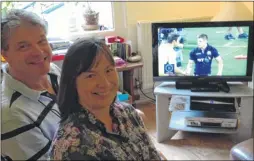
[172, 64]
[215, 104]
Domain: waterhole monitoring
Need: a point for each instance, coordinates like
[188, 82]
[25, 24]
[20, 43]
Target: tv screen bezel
[250, 54]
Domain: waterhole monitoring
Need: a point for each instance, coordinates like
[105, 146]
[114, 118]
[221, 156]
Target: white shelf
[166, 130]
[236, 90]
[177, 123]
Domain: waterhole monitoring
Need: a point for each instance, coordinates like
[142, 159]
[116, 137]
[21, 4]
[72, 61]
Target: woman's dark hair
[79, 58]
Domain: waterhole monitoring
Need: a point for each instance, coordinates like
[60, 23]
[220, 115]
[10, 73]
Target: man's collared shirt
[24, 134]
[203, 60]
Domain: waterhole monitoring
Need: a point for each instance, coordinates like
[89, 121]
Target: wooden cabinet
[128, 83]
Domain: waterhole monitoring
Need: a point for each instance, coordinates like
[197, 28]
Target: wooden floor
[185, 145]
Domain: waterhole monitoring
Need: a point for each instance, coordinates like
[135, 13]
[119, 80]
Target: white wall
[250, 84]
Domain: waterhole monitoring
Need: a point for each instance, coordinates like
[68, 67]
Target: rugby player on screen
[168, 57]
[202, 56]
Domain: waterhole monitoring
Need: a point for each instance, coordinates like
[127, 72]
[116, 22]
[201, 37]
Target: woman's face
[98, 87]
[29, 51]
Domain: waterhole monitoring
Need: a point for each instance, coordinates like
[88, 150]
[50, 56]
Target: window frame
[120, 25]
[119, 20]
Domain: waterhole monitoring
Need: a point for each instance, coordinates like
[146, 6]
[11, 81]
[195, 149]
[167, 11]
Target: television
[202, 51]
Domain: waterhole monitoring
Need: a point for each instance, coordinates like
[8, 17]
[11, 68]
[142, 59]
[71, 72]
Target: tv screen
[211, 50]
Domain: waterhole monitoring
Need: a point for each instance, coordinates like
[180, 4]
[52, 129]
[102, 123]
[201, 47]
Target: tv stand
[165, 118]
[203, 85]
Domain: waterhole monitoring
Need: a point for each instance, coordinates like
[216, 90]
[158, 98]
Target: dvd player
[212, 119]
[213, 104]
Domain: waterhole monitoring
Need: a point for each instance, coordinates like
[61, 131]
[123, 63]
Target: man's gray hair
[13, 19]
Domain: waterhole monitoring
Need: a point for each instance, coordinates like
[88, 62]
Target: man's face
[201, 43]
[29, 52]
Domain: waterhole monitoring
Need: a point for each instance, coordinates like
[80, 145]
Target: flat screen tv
[212, 51]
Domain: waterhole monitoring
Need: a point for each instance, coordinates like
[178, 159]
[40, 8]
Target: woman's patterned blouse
[83, 137]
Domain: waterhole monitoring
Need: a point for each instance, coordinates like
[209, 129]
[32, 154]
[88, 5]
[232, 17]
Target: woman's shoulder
[129, 109]
[124, 106]
[66, 126]
[68, 136]
[130, 112]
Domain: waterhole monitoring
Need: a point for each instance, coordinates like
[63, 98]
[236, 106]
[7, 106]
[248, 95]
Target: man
[163, 34]
[202, 56]
[179, 51]
[168, 57]
[30, 116]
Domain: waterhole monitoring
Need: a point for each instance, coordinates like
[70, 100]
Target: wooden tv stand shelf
[167, 126]
[128, 84]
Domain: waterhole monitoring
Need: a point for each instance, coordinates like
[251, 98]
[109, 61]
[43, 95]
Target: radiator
[144, 46]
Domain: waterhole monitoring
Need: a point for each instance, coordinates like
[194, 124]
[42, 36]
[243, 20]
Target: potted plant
[91, 18]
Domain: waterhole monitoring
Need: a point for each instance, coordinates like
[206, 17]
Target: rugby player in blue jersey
[202, 56]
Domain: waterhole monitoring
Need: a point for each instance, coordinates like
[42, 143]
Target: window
[65, 19]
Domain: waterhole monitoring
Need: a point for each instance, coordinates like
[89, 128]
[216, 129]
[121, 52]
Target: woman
[93, 124]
